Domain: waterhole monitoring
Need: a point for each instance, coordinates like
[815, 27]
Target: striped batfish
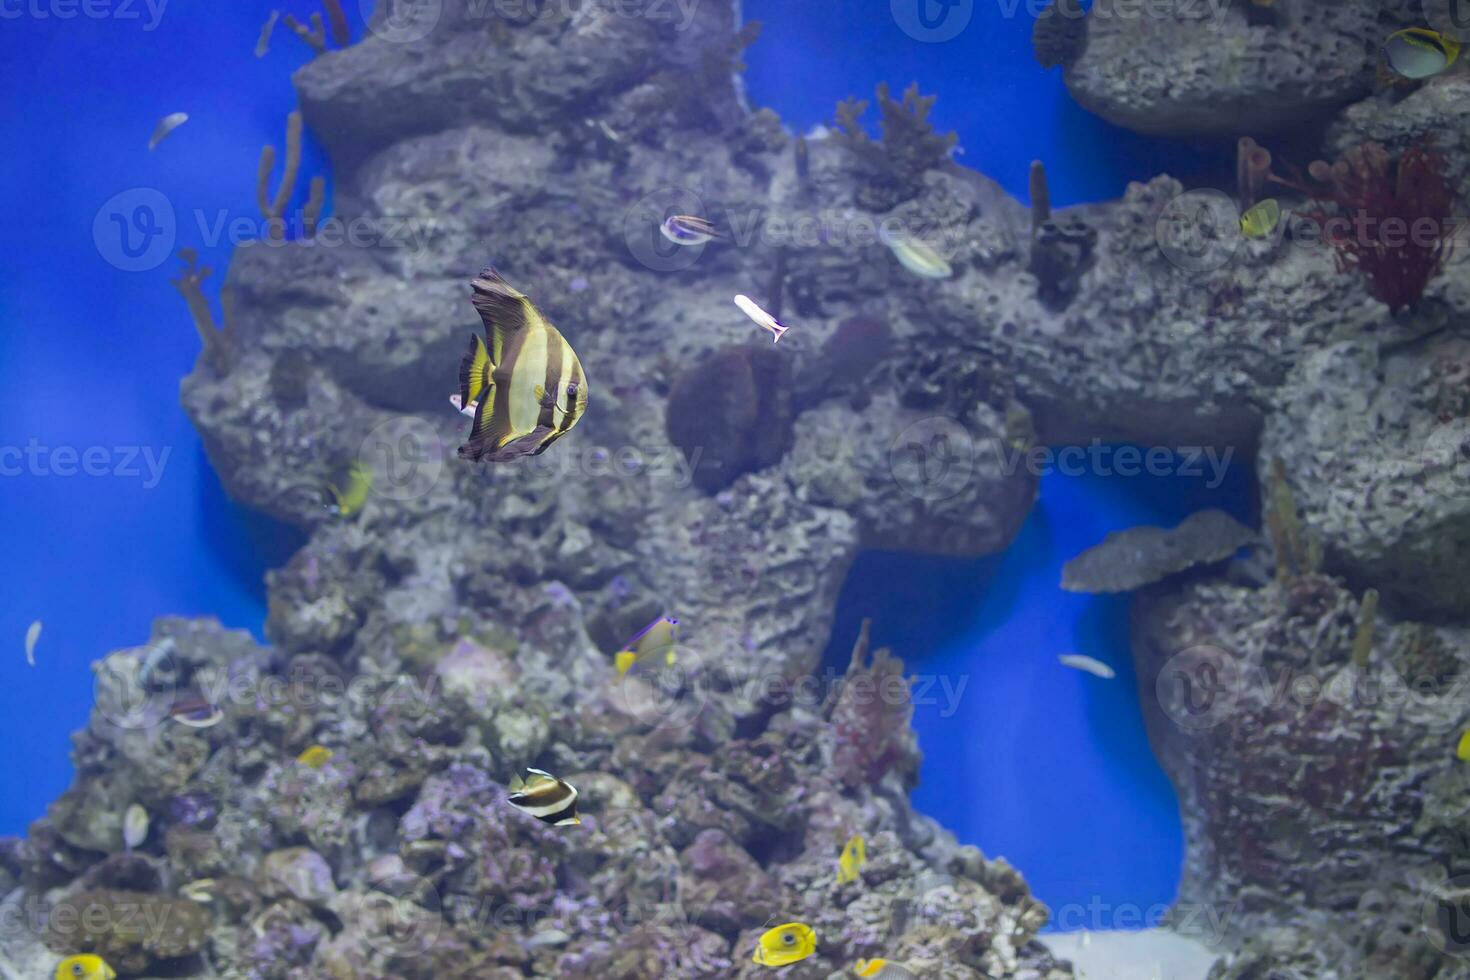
[524, 375]
[545, 797]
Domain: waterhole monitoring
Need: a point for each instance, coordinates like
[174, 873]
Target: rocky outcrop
[1140, 556]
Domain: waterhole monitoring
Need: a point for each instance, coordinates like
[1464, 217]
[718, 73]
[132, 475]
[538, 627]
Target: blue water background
[91, 356]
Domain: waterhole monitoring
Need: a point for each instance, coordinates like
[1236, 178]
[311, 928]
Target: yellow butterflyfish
[791, 943]
[349, 500]
[84, 967]
[854, 856]
[1462, 751]
[315, 756]
[1261, 218]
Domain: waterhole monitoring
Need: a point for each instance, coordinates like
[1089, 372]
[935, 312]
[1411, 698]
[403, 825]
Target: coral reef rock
[1141, 556]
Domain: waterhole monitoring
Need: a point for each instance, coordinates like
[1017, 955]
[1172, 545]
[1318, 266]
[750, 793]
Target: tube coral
[274, 208]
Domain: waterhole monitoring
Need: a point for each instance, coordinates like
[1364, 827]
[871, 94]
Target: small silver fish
[685, 229]
[33, 634]
[761, 317]
[915, 255]
[135, 826]
[1087, 664]
[263, 43]
[457, 400]
[165, 126]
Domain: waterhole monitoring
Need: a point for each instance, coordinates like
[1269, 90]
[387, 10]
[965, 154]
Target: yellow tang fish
[654, 639]
[854, 856]
[881, 969]
[526, 378]
[348, 501]
[86, 967]
[1260, 219]
[1462, 751]
[315, 756]
[791, 943]
[1420, 53]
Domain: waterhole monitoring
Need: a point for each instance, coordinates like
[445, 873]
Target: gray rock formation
[1131, 559]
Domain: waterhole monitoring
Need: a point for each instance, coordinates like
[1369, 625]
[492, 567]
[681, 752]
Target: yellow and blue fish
[854, 856]
[84, 967]
[653, 641]
[1419, 53]
[524, 378]
[791, 943]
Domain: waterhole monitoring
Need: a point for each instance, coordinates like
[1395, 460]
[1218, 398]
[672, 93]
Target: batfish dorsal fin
[503, 309]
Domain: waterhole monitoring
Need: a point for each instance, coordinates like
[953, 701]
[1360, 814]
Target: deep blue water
[91, 357]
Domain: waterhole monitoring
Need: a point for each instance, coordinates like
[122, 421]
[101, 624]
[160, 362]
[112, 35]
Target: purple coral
[870, 717]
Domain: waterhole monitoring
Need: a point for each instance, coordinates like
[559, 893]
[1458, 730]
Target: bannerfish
[1420, 53]
[1260, 219]
[881, 969]
[135, 826]
[347, 501]
[545, 797]
[528, 381]
[761, 317]
[166, 125]
[1462, 751]
[915, 255]
[196, 713]
[33, 636]
[686, 229]
[655, 639]
[1088, 664]
[791, 943]
[854, 856]
[86, 967]
[315, 756]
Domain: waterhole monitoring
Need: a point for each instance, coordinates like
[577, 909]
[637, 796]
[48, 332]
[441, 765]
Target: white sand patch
[1149, 954]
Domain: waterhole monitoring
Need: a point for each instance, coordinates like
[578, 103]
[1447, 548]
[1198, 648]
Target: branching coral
[274, 207]
[1392, 221]
[190, 285]
[893, 168]
[316, 35]
[870, 716]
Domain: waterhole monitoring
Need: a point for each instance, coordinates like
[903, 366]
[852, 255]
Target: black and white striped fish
[545, 797]
[525, 376]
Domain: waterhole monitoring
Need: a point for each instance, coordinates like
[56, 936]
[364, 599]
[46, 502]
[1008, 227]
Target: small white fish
[461, 408]
[135, 826]
[915, 255]
[263, 44]
[32, 636]
[1088, 664]
[761, 317]
[165, 126]
[686, 229]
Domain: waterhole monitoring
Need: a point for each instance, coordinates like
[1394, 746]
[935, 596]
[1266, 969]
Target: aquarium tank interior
[697, 489]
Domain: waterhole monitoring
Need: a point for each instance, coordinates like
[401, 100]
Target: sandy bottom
[1150, 954]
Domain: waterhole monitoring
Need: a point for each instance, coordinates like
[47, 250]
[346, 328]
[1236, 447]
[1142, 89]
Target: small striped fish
[525, 376]
[546, 798]
[880, 969]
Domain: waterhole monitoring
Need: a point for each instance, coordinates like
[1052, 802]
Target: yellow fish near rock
[1419, 53]
[654, 640]
[881, 969]
[791, 943]
[315, 756]
[84, 967]
[854, 856]
[1261, 219]
[1462, 751]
